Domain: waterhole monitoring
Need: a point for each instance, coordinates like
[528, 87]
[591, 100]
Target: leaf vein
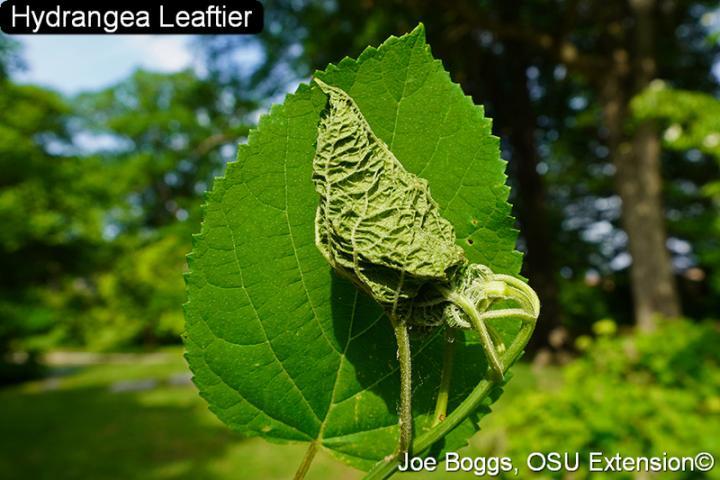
[292, 241]
[262, 325]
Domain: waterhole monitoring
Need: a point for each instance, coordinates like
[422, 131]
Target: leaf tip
[419, 30]
[323, 86]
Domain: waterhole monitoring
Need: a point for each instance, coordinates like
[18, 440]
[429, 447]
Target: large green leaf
[281, 347]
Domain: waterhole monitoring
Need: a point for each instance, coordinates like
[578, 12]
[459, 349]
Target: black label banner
[131, 17]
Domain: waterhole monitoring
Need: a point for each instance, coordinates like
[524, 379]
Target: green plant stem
[446, 375]
[496, 368]
[385, 468]
[306, 461]
[404, 358]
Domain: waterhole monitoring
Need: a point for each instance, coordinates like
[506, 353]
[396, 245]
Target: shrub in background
[637, 395]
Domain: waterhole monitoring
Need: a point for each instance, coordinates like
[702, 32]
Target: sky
[74, 63]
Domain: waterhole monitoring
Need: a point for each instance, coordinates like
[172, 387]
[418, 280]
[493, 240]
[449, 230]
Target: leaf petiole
[386, 468]
[444, 391]
[478, 323]
[306, 461]
[405, 359]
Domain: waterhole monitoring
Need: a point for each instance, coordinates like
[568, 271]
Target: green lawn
[74, 427]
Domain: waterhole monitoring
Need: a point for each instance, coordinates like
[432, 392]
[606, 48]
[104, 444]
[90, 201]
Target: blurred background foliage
[637, 395]
[609, 117]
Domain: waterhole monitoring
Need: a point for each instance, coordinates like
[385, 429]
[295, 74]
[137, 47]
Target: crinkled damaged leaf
[376, 222]
[281, 347]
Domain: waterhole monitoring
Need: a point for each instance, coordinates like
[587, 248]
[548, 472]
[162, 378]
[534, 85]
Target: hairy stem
[497, 339]
[405, 414]
[444, 391]
[306, 461]
[386, 468]
[478, 323]
[523, 294]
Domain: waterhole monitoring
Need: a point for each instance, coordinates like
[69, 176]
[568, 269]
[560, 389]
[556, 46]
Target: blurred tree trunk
[637, 176]
[520, 122]
[502, 83]
[629, 68]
